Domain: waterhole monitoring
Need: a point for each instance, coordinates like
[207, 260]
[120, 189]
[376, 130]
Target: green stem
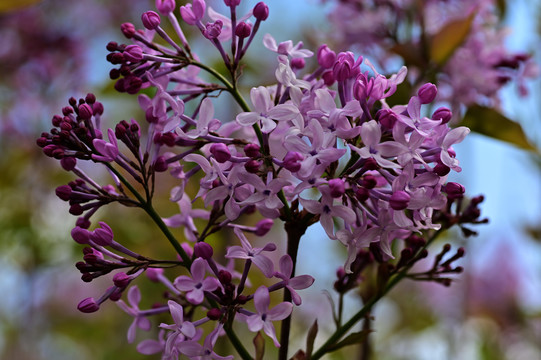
[341, 331]
[147, 206]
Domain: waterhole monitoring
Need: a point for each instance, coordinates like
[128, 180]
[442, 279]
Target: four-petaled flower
[196, 285]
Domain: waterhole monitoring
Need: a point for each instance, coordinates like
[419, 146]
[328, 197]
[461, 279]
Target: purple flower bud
[75, 209]
[443, 114]
[252, 166]
[231, 2]
[298, 63]
[116, 294]
[369, 181]
[427, 93]
[151, 20]
[399, 200]
[387, 118]
[225, 277]
[160, 165]
[243, 30]
[192, 13]
[220, 152]
[63, 192]
[165, 7]
[292, 161]
[214, 314]
[90, 98]
[88, 305]
[83, 223]
[85, 112]
[154, 274]
[345, 66]
[121, 279]
[133, 53]
[203, 250]
[80, 235]
[261, 11]
[362, 194]
[213, 30]
[441, 169]
[325, 57]
[252, 150]
[128, 30]
[263, 227]
[337, 187]
[328, 77]
[102, 236]
[454, 190]
[97, 108]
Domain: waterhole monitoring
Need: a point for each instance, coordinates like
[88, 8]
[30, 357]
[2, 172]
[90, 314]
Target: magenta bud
[231, 2]
[387, 118]
[63, 192]
[225, 277]
[88, 305]
[90, 98]
[192, 13]
[154, 274]
[160, 165]
[85, 112]
[76, 209]
[213, 30]
[203, 250]
[292, 161]
[214, 314]
[362, 194]
[80, 235]
[128, 30]
[102, 236]
[151, 20]
[83, 223]
[328, 77]
[454, 190]
[121, 279]
[399, 200]
[133, 53]
[97, 108]
[252, 166]
[263, 227]
[369, 181]
[325, 57]
[252, 150]
[261, 11]
[116, 294]
[337, 187]
[443, 114]
[220, 151]
[298, 63]
[427, 93]
[165, 7]
[441, 169]
[243, 30]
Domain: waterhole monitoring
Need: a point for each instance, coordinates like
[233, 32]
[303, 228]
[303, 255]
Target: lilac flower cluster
[319, 146]
[475, 70]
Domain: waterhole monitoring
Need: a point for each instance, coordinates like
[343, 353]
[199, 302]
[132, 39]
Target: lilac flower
[266, 196]
[327, 210]
[264, 316]
[185, 217]
[265, 112]
[194, 350]
[292, 283]
[182, 330]
[255, 255]
[196, 285]
[206, 122]
[286, 47]
[371, 136]
[193, 13]
[139, 321]
[108, 150]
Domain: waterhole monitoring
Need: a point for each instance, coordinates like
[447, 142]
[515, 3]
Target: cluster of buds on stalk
[318, 146]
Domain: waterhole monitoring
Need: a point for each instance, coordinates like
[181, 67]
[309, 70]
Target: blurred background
[54, 49]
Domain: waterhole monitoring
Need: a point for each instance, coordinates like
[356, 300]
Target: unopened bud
[151, 20]
[427, 93]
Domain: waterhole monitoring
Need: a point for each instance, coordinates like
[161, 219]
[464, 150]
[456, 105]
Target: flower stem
[342, 330]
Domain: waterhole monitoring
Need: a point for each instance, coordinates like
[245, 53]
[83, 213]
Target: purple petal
[264, 264]
[301, 282]
[261, 300]
[280, 311]
[177, 313]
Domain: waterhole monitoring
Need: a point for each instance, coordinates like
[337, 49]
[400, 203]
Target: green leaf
[12, 5]
[352, 339]
[491, 123]
[449, 38]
